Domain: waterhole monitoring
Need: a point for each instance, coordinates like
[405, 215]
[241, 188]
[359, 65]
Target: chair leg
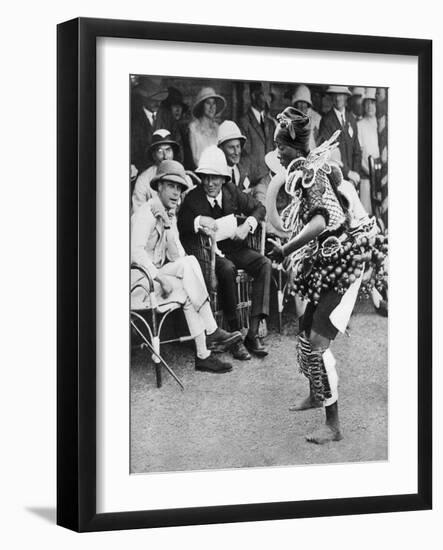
[156, 360]
[158, 374]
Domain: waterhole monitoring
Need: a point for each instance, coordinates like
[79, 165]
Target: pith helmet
[229, 130]
[213, 162]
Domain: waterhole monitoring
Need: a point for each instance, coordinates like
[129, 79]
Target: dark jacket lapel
[256, 125]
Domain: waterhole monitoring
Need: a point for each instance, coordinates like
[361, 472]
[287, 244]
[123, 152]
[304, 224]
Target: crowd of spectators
[164, 126]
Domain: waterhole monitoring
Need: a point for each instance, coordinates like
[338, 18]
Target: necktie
[262, 122]
[233, 176]
[343, 120]
[216, 210]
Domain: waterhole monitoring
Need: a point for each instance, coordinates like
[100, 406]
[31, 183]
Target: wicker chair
[205, 253]
[144, 305]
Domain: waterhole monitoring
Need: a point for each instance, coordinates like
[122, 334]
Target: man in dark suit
[145, 101]
[258, 129]
[215, 198]
[338, 118]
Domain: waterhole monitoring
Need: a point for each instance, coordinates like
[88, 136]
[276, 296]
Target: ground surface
[241, 419]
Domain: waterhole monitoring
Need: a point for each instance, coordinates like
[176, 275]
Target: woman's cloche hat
[202, 96]
[163, 137]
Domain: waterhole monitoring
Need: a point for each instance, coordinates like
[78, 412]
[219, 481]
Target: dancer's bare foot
[305, 404]
[324, 435]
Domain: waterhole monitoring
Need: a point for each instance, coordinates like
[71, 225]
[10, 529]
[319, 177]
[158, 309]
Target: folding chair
[144, 301]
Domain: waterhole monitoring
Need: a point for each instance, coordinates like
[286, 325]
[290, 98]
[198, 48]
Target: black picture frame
[76, 279]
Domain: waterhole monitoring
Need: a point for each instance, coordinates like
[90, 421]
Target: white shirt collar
[149, 115]
[218, 198]
[257, 114]
[340, 114]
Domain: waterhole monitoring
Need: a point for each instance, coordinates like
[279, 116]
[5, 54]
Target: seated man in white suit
[155, 245]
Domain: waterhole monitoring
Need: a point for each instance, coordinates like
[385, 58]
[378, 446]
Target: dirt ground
[241, 419]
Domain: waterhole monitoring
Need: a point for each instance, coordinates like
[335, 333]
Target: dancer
[324, 258]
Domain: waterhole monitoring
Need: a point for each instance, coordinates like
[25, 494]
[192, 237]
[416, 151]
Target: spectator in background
[173, 115]
[231, 142]
[382, 127]
[203, 129]
[368, 138]
[301, 100]
[258, 128]
[163, 147]
[326, 104]
[356, 101]
[145, 101]
[339, 119]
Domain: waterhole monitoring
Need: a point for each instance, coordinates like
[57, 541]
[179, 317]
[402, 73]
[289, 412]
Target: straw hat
[213, 162]
[358, 90]
[171, 170]
[302, 93]
[370, 94]
[163, 137]
[338, 90]
[202, 96]
[229, 130]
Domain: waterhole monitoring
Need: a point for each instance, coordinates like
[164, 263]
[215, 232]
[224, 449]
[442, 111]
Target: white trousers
[189, 289]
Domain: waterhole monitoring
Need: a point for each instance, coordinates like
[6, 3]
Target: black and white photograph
[259, 268]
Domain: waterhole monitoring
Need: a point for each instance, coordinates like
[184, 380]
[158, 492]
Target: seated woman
[155, 245]
[163, 147]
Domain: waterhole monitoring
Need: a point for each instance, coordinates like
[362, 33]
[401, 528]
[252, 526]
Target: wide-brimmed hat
[202, 96]
[302, 93]
[213, 162]
[171, 170]
[338, 90]
[370, 93]
[163, 137]
[150, 88]
[229, 130]
[358, 90]
[175, 97]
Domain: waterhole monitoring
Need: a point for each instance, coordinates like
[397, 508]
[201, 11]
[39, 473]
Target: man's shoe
[212, 364]
[255, 345]
[239, 351]
[221, 340]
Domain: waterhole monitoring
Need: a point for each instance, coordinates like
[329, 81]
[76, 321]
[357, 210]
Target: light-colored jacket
[142, 190]
[154, 237]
